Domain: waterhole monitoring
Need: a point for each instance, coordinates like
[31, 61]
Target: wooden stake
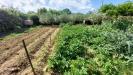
[50, 41]
[28, 57]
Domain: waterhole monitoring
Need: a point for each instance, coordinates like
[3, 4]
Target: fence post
[28, 57]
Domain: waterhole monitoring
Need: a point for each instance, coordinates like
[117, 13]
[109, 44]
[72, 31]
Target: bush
[112, 13]
[35, 19]
[107, 7]
[122, 23]
[124, 9]
[96, 18]
[8, 21]
[77, 18]
[64, 18]
[46, 18]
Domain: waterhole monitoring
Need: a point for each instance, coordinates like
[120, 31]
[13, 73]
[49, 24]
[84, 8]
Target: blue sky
[82, 6]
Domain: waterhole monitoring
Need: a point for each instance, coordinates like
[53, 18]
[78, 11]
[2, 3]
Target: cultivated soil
[40, 43]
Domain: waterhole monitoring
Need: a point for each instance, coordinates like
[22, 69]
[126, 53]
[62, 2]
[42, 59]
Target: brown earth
[40, 43]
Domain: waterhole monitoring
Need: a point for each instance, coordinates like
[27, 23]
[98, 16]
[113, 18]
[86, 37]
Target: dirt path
[18, 62]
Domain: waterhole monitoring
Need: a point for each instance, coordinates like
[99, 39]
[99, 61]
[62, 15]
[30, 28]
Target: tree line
[12, 19]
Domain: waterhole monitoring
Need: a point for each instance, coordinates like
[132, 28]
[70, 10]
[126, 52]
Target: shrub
[96, 19]
[77, 18]
[46, 18]
[35, 19]
[64, 18]
[122, 23]
[107, 7]
[124, 9]
[8, 21]
[112, 13]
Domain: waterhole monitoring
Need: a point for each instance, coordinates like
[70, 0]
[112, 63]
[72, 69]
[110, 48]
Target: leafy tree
[35, 19]
[48, 18]
[107, 7]
[125, 9]
[67, 11]
[42, 10]
[112, 12]
[8, 21]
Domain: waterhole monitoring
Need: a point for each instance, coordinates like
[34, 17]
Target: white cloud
[32, 5]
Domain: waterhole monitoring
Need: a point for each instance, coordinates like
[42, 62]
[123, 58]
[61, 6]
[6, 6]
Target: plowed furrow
[12, 51]
[12, 42]
[41, 56]
[19, 62]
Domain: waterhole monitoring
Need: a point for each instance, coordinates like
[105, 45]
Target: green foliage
[107, 7]
[49, 19]
[70, 48]
[97, 50]
[112, 12]
[8, 21]
[77, 18]
[67, 11]
[35, 19]
[125, 9]
[41, 11]
[122, 23]
[57, 17]
[64, 18]
[77, 68]
[96, 18]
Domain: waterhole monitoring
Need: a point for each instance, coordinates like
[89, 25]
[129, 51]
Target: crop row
[6, 53]
[99, 50]
[18, 60]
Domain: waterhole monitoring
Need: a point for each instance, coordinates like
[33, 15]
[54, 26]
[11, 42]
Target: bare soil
[13, 60]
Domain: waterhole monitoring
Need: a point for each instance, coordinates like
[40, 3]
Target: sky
[82, 6]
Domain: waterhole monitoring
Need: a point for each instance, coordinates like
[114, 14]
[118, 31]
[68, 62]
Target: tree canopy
[125, 9]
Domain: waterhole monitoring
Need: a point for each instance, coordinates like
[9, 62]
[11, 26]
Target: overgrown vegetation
[97, 50]
[125, 9]
[8, 21]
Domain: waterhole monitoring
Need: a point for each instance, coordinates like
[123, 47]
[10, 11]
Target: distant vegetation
[124, 9]
[12, 19]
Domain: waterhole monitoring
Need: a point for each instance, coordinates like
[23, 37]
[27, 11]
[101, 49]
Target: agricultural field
[13, 60]
[94, 50]
[66, 37]
[70, 50]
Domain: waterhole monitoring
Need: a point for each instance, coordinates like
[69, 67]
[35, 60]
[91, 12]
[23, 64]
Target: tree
[35, 19]
[107, 7]
[67, 11]
[41, 11]
[125, 9]
[8, 21]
